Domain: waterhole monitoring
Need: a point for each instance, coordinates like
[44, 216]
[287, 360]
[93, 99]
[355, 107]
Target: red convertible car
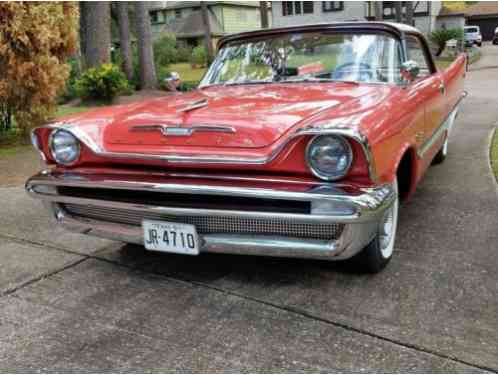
[298, 142]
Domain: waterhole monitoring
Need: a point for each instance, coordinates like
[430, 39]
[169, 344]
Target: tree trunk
[398, 11]
[83, 32]
[124, 38]
[148, 78]
[263, 9]
[379, 11]
[97, 33]
[207, 32]
[409, 13]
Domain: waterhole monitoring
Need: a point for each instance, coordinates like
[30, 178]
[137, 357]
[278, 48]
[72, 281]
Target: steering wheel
[361, 72]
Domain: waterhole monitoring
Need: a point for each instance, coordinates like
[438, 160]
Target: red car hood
[258, 115]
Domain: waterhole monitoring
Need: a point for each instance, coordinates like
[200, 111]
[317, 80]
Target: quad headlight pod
[329, 157]
[64, 147]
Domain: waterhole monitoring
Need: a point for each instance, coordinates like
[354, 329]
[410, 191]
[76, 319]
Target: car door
[430, 84]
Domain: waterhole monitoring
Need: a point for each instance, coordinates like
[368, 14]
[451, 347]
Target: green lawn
[11, 150]
[187, 73]
[64, 110]
[494, 154]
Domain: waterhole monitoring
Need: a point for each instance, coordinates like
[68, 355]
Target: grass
[187, 73]
[12, 150]
[494, 153]
[64, 110]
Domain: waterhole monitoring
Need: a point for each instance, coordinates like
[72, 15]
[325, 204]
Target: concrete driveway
[72, 303]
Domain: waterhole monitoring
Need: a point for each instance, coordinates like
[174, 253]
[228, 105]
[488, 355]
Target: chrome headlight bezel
[53, 151]
[328, 176]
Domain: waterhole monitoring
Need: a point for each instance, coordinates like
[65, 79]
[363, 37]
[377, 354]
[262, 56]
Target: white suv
[472, 35]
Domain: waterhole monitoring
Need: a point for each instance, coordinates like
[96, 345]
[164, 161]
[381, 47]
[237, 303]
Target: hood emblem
[194, 105]
[183, 132]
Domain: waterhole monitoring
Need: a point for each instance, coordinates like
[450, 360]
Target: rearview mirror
[409, 70]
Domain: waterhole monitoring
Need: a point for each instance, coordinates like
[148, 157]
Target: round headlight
[64, 147]
[329, 157]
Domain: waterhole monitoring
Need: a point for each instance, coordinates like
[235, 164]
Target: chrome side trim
[446, 125]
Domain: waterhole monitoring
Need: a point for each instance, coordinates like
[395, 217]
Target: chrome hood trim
[312, 130]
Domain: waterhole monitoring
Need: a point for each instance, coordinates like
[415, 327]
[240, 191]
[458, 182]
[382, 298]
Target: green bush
[183, 54]
[441, 36]
[102, 83]
[199, 56]
[188, 86]
[165, 51]
[69, 92]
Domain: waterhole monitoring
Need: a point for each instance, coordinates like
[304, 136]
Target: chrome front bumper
[359, 209]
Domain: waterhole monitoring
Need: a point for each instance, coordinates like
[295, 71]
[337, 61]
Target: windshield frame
[349, 31]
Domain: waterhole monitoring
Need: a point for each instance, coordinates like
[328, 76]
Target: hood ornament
[194, 105]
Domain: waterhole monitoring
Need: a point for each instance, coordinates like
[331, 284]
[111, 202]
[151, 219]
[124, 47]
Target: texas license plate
[170, 237]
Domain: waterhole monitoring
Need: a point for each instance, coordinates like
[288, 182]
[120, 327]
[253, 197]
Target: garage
[484, 15]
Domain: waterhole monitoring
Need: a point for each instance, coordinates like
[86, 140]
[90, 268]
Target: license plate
[170, 237]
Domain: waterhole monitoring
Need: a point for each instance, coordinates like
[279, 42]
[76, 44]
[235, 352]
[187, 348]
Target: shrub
[188, 85]
[183, 54]
[69, 91]
[199, 56]
[165, 51]
[102, 83]
[35, 41]
[441, 36]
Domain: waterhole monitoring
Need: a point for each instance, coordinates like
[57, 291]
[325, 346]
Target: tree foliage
[441, 36]
[35, 41]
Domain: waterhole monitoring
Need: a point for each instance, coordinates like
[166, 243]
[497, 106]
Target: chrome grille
[213, 224]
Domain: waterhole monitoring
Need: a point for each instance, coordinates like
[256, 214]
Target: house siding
[236, 19]
[357, 10]
[450, 22]
[352, 11]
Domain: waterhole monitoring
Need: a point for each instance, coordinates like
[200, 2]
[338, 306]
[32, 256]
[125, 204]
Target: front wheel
[377, 254]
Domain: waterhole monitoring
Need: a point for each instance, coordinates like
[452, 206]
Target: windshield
[371, 58]
[469, 30]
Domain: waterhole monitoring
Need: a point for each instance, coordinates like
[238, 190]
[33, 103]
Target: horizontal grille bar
[212, 224]
[206, 201]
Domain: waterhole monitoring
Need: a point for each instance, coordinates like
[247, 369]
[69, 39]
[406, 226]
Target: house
[482, 14]
[184, 19]
[288, 13]
[485, 15]
[450, 19]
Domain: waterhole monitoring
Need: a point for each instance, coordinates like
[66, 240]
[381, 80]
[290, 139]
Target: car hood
[244, 116]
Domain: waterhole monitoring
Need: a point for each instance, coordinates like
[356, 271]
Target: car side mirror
[410, 70]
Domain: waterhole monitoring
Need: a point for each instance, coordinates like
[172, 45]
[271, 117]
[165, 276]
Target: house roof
[446, 12]
[482, 8]
[192, 26]
[197, 4]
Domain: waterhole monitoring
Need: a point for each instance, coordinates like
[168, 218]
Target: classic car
[472, 35]
[298, 142]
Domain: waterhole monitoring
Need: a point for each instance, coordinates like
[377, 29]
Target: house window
[332, 6]
[287, 8]
[296, 7]
[154, 17]
[307, 7]
[420, 9]
[178, 13]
